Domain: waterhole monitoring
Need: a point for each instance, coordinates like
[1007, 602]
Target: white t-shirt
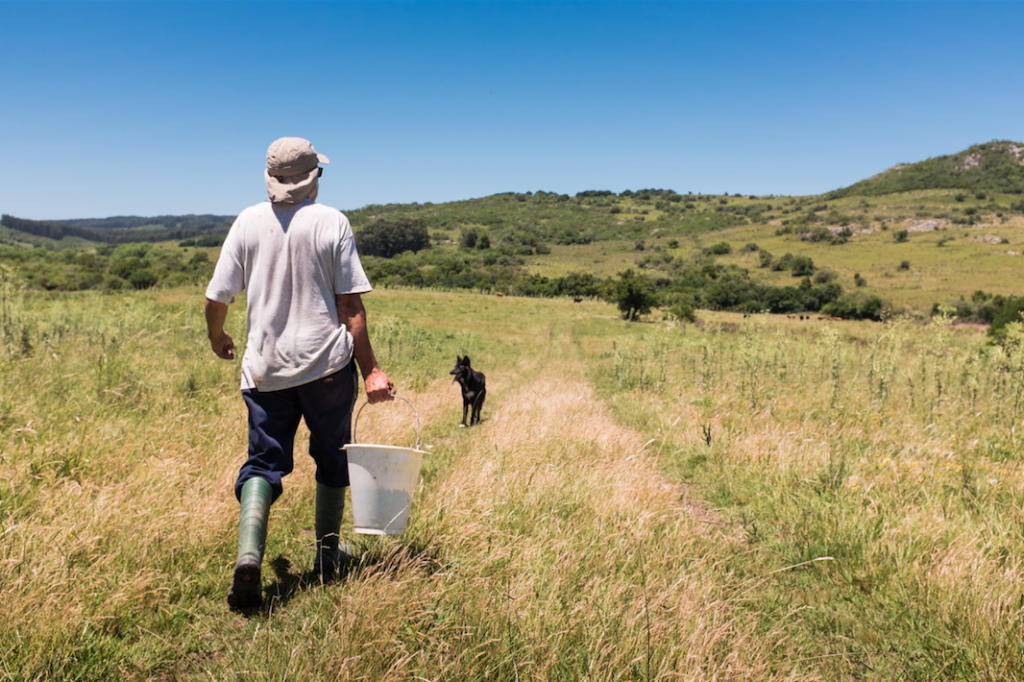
[291, 260]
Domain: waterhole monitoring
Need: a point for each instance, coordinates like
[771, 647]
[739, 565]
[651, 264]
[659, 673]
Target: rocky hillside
[994, 167]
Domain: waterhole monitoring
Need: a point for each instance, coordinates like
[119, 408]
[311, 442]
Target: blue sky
[150, 108]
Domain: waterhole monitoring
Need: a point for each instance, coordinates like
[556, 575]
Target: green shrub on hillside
[388, 238]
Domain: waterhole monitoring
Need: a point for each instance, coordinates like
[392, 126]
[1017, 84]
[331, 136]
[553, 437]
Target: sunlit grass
[748, 498]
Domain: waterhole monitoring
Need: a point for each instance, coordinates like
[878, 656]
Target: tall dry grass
[642, 502]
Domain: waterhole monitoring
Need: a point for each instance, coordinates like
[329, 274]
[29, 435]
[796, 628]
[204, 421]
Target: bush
[468, 237]
[210, 240]
[387, 238]
[901, 236]
[858, 280]
[904, 265]
[143, 278]
[633, 295]
[825, 276]
[719, 249]
[1009, 312]
[802, 266]
[126, 267]
[683, 311]
[673, 243]
[855, 307]
[960, 197]
[819, 234]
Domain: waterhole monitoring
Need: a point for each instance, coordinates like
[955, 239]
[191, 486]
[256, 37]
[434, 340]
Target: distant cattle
[499, 294]
[577, 299]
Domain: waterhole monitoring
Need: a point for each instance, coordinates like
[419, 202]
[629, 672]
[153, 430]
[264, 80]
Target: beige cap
[290, 173]
[290, 156]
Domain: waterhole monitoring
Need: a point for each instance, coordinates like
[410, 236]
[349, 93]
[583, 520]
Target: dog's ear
[466, 360]
[458, 359]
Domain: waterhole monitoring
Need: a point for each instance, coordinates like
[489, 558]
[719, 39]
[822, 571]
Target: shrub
[749, 248]
[825, 276]
[980, 195]
[960, 197]
[1009, 312]
[684, 311]
[904, 265]
[858, 280]
[819, 234]
[126, 267]
[468, 238]
[144, 278]
[802, 266]
[210, 240]
[783, 263]
[901, 236]
[387, 238]
[673, 243]
[719, 249]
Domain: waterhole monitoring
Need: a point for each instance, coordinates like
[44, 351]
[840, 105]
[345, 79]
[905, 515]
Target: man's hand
[223, 346]
[379, 388]
[220, 340]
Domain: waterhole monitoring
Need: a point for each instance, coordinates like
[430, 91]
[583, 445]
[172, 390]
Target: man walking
[305, 322]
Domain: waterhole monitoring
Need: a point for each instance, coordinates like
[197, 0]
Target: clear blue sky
[149, 108]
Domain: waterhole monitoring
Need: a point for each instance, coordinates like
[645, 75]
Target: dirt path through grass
[564, 553]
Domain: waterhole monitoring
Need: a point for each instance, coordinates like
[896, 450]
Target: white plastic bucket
[382, 479]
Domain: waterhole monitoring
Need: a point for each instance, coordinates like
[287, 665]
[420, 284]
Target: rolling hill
[996, 166]
[948, 230]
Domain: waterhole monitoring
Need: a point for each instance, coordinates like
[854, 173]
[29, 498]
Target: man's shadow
[374, 557]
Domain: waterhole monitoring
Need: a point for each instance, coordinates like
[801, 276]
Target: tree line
[58, 230]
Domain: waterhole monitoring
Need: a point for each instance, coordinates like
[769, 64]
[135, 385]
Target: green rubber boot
[330, 504]
[246, 591]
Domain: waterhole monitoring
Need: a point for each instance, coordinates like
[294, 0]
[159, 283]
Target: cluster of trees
[995, 310]
[674, 284]
[127, 266]
[123, 230]
[390, 237]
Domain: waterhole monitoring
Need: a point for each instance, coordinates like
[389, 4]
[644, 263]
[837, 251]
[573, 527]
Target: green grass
[747, 498]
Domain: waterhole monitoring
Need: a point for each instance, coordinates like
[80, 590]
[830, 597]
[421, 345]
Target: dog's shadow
[377, 557]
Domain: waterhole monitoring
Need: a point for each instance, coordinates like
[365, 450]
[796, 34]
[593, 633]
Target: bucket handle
[356, 421]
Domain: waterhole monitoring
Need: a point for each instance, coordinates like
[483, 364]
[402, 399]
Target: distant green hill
[122, 229]
[994, 167]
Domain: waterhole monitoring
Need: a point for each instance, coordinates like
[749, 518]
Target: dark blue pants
[326, 405]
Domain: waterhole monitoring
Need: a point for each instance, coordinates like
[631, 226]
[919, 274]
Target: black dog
[474, 389]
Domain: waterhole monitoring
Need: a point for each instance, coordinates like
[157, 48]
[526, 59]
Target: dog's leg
[465, 408]
[478, 405]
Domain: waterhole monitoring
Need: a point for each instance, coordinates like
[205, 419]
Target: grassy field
[746, 498]
[942, 264]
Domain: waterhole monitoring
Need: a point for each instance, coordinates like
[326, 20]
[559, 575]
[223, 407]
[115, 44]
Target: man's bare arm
[352, 314]
[221, 342]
